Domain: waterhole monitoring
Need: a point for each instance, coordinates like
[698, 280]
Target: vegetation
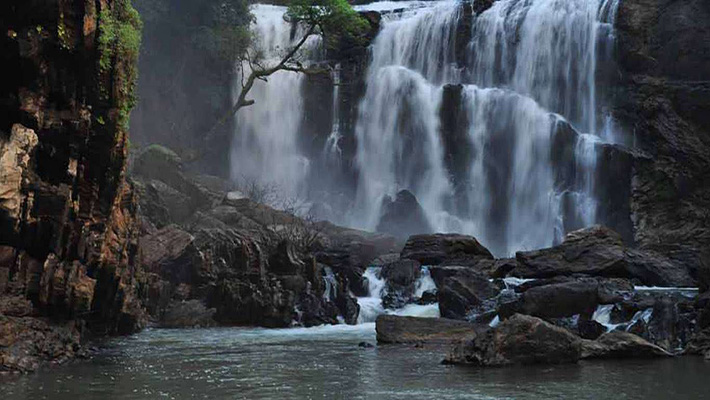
[119, 44]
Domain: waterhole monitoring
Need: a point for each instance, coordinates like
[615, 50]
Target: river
[327, 362]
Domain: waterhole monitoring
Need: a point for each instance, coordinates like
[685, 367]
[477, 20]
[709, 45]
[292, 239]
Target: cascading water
[266, 146]
[371, 306]
[529, 73]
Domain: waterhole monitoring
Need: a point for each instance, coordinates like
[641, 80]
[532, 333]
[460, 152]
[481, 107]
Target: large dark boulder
[395, 329]
[401, 277]
[403, 216]
[449, 249]
[187, 314]
[520, 340]
[663, 99]
[598, 251]
[460, 294]
[568, 298]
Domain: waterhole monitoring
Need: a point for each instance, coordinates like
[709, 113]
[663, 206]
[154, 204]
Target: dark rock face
[68, 224]
[519, 340]
[619, 344]
[598, 251]
[403, 216]
[663, 98]
[401, 277]
[395, 329]
[460, 294]
[449, 249]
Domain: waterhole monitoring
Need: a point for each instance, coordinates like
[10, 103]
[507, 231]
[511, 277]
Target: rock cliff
[68, 227]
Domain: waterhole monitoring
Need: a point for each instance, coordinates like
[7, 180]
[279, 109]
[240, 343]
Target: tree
[330, 19]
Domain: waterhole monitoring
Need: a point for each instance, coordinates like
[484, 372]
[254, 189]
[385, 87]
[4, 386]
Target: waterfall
[332, 150]
[266, 145]
[522, 86]
[424, 284]
[331, 285]
[544, 49]
[371, 305]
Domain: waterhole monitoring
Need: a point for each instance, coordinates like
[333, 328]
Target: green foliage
[119, 44]
[332, 18]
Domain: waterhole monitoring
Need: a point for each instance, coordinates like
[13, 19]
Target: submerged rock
[396, 329]
[519, 340]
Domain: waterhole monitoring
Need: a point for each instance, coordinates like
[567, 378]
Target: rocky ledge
[591, 296]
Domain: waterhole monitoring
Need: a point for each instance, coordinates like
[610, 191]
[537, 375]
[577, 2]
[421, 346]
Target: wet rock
[172, 253]
[460, 294]
[365, 345]
[316, 311]
[428, 297]
[618, 344]
[348, 307]
[519, 340]
[565, 299]
[395, 329]
[403, 216]
[589, 329]
[28, 343]
[401, 277]
[188, 314]
[449, 249]
[285, 260]
[598, 251]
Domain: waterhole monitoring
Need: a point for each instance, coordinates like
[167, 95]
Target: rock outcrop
[520, 340]
[598, 251]
[68, 227]
[448, 249]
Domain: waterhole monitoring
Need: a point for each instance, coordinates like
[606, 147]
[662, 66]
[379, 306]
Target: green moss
[63, 33]
[119, 47]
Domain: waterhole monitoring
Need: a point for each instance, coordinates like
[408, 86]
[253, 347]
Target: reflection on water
[326, 362]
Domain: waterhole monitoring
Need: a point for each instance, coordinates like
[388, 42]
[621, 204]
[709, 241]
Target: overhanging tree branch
[262, 74]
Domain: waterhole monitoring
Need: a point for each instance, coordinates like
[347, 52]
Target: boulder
[565, 299]
[519, 340]
[403, 216]
[188, 314]
[449, 249]
[618, 344]
[170, 252]
[396, 329]
[460, 294]
[401, 277]
[598, 251]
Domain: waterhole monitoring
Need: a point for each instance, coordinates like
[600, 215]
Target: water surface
[326, 362]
